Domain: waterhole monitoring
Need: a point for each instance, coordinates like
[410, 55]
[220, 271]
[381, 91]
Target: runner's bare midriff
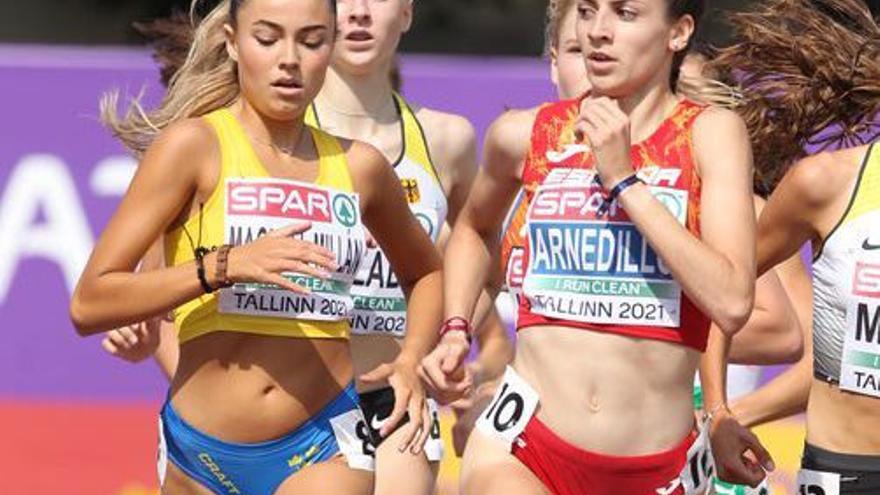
[249, 388]
[841, 421]
[608, 393]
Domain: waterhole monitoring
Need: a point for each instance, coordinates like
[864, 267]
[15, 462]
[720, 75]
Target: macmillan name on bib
[255, 207]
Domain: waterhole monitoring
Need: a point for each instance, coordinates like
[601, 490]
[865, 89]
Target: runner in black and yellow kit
[434, 157]
[262, 400]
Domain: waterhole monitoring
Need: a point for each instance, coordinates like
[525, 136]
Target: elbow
[793, 348]
[81, 318]
[735, 313]
[793, 352]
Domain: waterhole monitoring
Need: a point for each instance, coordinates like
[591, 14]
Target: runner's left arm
[717, 270]
[155, 337]
[788, 222]
[773, 334]
[739, 456]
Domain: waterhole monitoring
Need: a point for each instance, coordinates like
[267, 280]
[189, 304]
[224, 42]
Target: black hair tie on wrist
[200, 253]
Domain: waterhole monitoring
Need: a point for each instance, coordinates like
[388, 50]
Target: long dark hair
[171, 38]
[809, 74]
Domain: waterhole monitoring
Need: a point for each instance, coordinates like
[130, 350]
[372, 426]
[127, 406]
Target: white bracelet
[707, 417]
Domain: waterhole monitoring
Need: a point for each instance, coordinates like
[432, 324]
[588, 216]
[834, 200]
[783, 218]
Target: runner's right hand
[443, 370]
[739, 456]
[265, 259]
[133, 343]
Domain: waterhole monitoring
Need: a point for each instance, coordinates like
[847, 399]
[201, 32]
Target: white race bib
[162, 458]
[593, 268]
[352, 436]
[700, 465]
[512, 407]
[379, 302]
[860, 359]
[434, 445]
[514, 274]
[817, 483]
[254, 207]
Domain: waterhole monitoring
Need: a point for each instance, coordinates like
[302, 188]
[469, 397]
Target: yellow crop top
[247, 203]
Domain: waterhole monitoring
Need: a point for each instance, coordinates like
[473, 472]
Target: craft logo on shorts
[411, 188]
[345, 210]
[279, 199]
[866, 280]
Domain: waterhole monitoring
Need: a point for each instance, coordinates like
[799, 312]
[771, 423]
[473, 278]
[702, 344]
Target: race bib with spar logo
[512, 240]
[860, 359]
[594, 268]
[379, 302]
[513, 276]
[255, 207]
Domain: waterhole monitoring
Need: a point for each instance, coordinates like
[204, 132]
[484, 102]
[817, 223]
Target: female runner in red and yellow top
[618, 294]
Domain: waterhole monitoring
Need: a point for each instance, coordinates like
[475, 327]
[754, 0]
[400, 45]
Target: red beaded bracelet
[457, 323]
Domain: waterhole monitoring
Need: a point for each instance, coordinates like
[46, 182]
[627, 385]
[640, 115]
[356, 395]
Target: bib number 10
[511, 408]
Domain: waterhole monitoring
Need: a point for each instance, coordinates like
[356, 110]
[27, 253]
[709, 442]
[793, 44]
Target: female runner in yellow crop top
[432, 152]
[250, 387]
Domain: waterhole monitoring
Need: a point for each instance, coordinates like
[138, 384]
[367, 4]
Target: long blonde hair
[556, 12]
[206, 81]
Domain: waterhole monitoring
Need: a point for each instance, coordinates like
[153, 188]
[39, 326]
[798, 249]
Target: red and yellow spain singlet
[583, 268]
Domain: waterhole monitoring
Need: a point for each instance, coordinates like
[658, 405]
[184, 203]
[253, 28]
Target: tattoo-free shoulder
[508, 140]
[365, 162]
[715, 119]
[819, 179]
[177, 145]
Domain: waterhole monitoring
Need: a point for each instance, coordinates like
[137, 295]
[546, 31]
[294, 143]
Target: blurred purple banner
[62, 174]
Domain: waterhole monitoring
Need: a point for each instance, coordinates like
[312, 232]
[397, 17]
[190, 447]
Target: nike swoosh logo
[376, 424]
[569, 151]
[867, 246]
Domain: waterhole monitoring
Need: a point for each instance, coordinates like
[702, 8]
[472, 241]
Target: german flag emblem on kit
[411, 188]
